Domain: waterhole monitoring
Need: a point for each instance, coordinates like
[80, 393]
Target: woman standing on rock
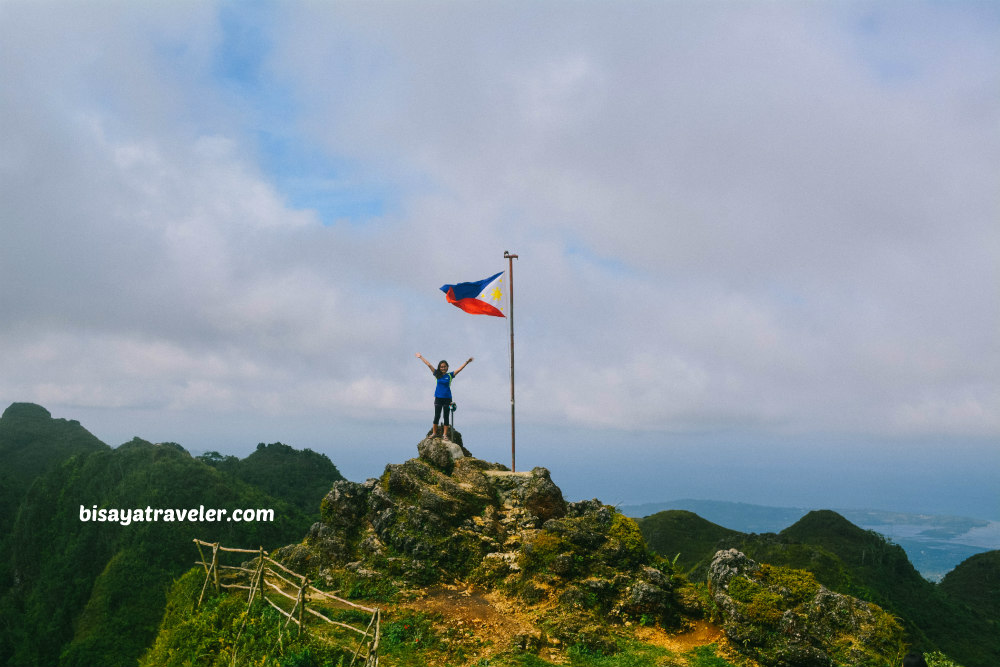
[442, 394]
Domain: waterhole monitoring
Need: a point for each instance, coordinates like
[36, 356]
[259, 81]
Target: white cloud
[772, 218]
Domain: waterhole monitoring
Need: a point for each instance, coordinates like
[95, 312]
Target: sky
[758, 242]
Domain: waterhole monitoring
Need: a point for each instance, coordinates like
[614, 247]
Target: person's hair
[914, 659]
[437, 369]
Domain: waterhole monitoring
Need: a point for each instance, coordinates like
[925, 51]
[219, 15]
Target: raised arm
[464, 365]
[420, 357]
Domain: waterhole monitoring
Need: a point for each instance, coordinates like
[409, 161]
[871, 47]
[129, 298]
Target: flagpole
[510, 320]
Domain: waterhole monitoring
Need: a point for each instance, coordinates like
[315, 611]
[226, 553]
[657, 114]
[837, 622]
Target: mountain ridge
[934, 543]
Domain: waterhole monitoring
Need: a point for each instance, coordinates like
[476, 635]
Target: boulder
[453, 436]
[780, 616]
[441, 453]
[534, 491]
[345, 503]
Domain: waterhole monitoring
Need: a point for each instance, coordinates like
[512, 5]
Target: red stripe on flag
[474, 306]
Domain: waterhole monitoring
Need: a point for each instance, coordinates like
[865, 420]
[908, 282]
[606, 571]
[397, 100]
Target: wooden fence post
[373, 651]
[215, 565]
[302, 602]
[204, 564]
[201, 553]
[260, 575]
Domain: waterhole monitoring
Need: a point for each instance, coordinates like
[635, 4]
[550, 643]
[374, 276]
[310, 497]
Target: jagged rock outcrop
[448, 516]
[783, 617]
[431, 518]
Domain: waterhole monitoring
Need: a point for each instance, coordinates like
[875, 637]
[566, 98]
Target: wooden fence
[268, 578]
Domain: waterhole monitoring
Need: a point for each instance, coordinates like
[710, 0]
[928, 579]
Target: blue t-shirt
[443, 389]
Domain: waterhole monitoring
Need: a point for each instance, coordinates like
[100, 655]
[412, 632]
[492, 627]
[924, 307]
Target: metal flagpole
[510, 320]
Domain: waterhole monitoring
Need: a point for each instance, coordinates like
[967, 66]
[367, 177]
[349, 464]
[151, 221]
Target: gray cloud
[770, 218]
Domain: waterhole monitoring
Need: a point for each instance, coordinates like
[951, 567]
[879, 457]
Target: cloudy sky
[759, 242]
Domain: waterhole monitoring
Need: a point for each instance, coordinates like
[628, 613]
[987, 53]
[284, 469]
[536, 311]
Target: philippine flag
[483, 297]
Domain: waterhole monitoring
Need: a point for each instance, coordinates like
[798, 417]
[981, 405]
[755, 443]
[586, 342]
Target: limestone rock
[453, 436]
[780, 616]
[345, 504]
[728, 564]
[441, 453]
[534, 491]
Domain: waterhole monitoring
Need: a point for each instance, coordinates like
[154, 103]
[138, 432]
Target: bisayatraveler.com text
[126, 516]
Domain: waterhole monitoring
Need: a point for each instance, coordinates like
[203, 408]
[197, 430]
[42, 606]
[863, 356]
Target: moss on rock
[782, 616]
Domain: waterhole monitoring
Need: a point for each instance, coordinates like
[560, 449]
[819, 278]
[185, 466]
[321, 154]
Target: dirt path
[476, 609]
[700, 634]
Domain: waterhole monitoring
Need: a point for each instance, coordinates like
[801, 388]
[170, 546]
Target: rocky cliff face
[447, 516]
[782, 616]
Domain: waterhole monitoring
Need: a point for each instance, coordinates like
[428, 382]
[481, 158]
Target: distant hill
[78, 591]
[851, 560]
[744, 517]
[685, 536]
[298, 476]
[31, 442]
[976, 582]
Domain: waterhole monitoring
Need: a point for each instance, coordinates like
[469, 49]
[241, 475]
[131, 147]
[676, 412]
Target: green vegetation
[634, 654]
[211, 635]
[223, 632]
[297, 476]
[880, 572]
[685, 536]
[781, 615]
[32, 442]
[955, 618]
[637, 654]
[92, 592]
[976, 583]
[771, 592]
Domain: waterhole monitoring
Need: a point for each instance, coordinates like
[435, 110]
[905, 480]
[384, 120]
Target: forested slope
[80, 591]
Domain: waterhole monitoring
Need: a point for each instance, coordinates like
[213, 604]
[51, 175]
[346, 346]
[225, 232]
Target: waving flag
[483, 297]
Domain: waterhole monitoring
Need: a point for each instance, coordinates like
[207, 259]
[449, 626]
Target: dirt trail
[491, 618]
[466, 606]
[700, 634]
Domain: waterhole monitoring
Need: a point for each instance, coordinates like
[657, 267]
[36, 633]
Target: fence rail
[268, 573]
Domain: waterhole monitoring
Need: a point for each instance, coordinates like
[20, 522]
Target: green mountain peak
[26, 411]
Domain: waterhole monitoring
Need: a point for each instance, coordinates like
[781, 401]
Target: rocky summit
[447, 517]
